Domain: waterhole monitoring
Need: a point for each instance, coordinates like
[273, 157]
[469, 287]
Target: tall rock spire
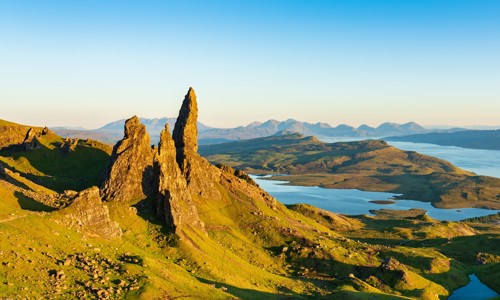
[185, 132]
[130, 172]
[200, 175]
[173, 202]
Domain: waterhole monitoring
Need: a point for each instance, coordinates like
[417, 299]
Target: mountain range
[83, 220]
[112, 132]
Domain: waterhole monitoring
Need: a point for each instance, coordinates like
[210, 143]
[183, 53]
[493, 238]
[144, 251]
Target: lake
[474, 290]
[356, 202]
[481, 162]
[353, 202]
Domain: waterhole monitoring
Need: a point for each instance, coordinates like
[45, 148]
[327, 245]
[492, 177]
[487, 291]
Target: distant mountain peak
[253, 124]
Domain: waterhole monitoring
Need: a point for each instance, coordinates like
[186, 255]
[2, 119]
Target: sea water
[474, 290]
[356, 202]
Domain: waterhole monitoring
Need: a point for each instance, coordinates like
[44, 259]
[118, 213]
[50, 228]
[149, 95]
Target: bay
[474, 290]
[356, 202]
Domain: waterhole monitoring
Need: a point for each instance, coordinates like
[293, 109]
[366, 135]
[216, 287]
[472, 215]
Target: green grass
[51, 167]
[254, 247]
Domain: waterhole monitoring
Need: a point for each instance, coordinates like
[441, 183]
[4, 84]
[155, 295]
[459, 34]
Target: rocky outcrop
[88, 213]
[130, 173]
[31, 141]
[12, 134]
[392, 264]
[69, 145]
[200, 175]
[185, 132]
[173, 202]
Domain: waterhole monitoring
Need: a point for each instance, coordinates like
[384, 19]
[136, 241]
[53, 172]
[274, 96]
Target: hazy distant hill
[475, 139]
[370, 165]
[110, 133]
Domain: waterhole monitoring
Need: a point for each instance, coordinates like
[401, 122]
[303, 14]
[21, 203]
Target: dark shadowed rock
[2, 171]
[69, 145]
[88, 213]
[130, 174]
[174, 204]
[200, 175]
[31, 140]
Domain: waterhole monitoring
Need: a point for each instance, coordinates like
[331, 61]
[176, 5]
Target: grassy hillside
[253, 250]
[54, 166]
[367, 165]
[12, 133]
[254, 247]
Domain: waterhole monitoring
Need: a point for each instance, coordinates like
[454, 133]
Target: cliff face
[173, 201]
[200, 175]
[130, 174]
[173, 176]
[90, 215]
[168, 175]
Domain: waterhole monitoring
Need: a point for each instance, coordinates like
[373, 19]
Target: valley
[370, 165]
[81, 220]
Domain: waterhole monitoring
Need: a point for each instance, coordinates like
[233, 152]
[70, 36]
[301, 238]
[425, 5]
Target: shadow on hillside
[61, 170]
[241, 293]
[146, 210]
[27, 203]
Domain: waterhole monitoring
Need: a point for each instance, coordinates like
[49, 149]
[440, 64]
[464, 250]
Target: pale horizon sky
[88, 63]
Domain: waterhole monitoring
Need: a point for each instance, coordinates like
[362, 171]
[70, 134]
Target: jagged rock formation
[88, 213]
[130, 174]
[199, 173]
[170, 174]
[173, 202]
[14, 134]
[69, 145]
[185, 132]
[31, 141]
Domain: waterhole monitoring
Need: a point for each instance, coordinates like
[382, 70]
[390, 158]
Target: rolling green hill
[205, 232]
[49, 160]
[367, 165]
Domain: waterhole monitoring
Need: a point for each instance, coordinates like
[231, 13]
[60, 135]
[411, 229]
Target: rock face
[173, 201]
[130, 174]
[199, 173]
[185, 132]
[173, 175]
[88, 213]
[31, 140]
[2, 171]
[69, 145]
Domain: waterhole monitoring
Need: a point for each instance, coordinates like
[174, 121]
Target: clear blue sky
[85, 63]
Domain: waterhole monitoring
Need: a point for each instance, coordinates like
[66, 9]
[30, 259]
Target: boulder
[88, 213]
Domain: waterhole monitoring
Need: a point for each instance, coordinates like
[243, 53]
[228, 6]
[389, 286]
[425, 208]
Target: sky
[87, 63]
